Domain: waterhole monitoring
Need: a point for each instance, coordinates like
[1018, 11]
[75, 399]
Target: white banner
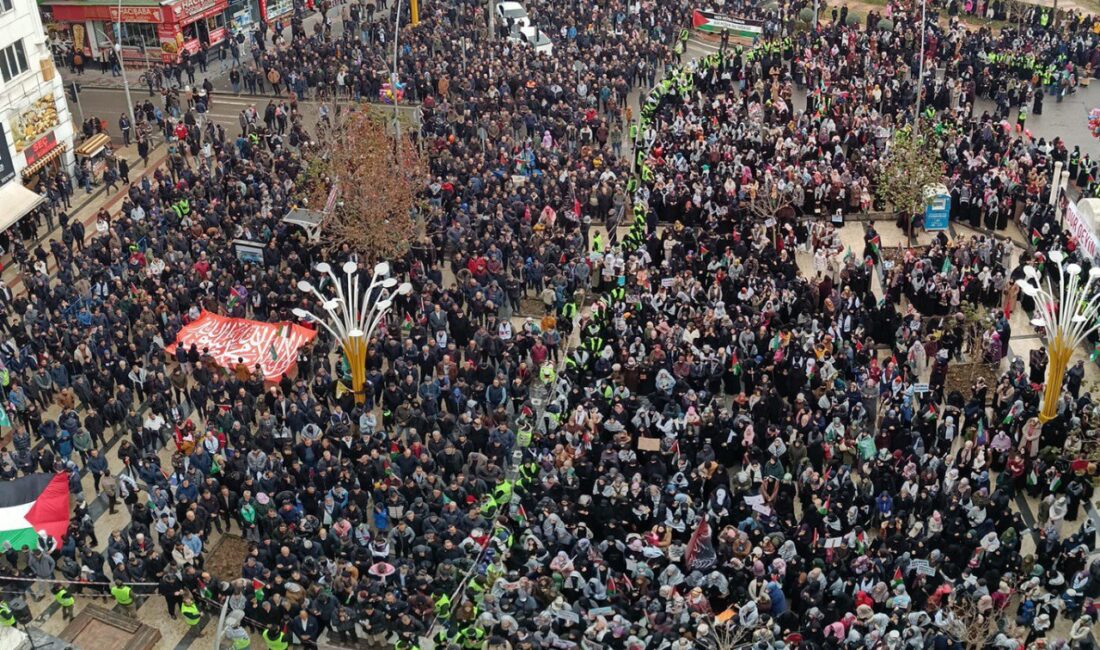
[1082, 231]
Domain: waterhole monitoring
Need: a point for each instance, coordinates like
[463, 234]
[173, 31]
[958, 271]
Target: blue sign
[938, 212]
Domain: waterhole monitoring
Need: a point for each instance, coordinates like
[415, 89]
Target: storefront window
[276, 8]
[139, 35]
[215, 22]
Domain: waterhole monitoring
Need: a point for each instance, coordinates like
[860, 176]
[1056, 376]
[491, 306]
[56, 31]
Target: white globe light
[383, 305]
[331, 305]
[304, 285]
[1038, 322]
[355, 333]
[350, 267]
[1073, 269]
[389, 282]
[1029, 289]
[300, 313]
[1031, 272]
[1094, 272]
[382, 268]
[405, 289]
[1057, 257]
[323, 267]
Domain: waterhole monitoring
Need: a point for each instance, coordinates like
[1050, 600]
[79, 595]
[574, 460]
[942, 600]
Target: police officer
[275, 639]
[7, 619]
[190, 611]
[63, 598]
[124, 596]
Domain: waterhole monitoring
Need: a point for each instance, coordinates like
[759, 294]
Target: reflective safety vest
[123, 595]
[547, 374]
[443, 606]
[242, 642]
[64, 598]
[277, 643]
[503, 492]
[594, 344]
[489, 505]
[191, 613]
[7, 619]
[597, 243]
[472, 637]
[569, 309]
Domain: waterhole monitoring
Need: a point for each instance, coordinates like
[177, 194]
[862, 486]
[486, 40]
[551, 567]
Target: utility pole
[76, 97]
[122, 66]
[492, 19]
[393, 77]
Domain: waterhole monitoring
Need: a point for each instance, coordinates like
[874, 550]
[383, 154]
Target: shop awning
[17, 201]
[93, 145]
[52, 154]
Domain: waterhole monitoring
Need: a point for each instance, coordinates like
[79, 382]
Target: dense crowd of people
[689, 439]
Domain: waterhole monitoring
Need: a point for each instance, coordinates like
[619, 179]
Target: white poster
[1082, 230]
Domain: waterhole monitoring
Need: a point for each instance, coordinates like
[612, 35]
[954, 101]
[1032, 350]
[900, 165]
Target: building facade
[37, 134]
[154, 31]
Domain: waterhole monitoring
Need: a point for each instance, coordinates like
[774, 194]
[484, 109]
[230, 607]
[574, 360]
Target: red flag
[577, 207]
[700, 554]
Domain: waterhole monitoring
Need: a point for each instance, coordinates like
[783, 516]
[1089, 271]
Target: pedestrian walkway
[85, 207]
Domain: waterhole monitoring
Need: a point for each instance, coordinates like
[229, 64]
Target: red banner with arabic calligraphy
[272, 345]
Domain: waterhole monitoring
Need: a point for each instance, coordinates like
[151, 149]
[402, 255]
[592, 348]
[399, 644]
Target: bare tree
[726, 635]
[976, 626]
[378, 179]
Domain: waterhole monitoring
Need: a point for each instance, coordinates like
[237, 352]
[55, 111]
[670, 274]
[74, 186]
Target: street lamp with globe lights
[351, 315]
[1068, 316]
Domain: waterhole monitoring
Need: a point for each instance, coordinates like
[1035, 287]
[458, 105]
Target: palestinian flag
[33, 504]
[715, 23]
[875, 243]
[898, 578]
[1036, 236]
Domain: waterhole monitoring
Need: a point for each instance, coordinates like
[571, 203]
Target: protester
[685, 429]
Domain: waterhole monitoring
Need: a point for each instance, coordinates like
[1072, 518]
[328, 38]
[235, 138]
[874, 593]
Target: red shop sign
[40, 148]
[190, 10]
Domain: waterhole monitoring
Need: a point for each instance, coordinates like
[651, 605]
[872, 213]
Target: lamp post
[352, 316]
[920, 67]
[1068, 316]
[122, 66]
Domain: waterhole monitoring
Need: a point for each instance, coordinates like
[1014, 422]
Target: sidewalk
[84, 207]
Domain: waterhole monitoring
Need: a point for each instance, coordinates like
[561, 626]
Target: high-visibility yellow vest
[191, 613]
[63, 598]
[7, 619]
[277, 643]
[123, 595]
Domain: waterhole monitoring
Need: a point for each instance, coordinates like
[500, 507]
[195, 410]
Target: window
[13, 61]
[215, 22]
[5, 5]
[139, 35]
